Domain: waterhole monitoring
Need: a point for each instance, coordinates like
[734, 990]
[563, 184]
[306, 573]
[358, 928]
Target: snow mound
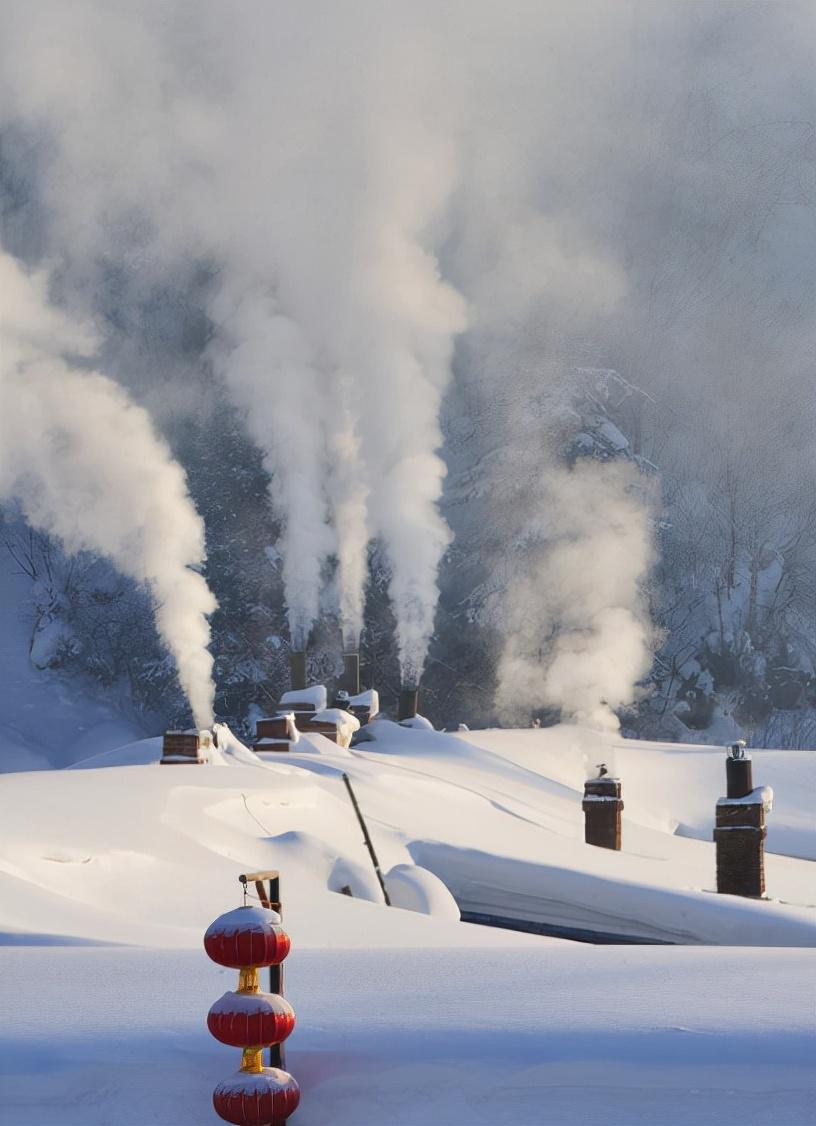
[417, 722]
[416, 889]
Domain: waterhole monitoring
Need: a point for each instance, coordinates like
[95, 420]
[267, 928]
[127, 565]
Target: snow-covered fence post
[246, 939]
[602, 806]
[740, 831]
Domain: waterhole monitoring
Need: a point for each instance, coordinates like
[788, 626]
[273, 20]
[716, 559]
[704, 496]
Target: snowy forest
[606, 261]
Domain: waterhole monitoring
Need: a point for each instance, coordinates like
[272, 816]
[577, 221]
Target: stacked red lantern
[246, 939]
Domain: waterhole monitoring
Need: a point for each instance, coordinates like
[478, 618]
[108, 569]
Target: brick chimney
[602, 806]
[184, 747]
[740, 831]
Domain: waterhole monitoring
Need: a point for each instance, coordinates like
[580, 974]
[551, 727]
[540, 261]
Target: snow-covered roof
[315, 695]
[345, 721]
[369, 699]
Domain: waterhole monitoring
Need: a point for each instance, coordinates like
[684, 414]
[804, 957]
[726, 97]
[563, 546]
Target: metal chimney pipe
[297, 670]
[738, 775]
[408, 703]
[351, 673]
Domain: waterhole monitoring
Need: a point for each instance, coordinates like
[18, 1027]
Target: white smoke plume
[85, 465]
[351, 189]
[286, 148]
[619, 185]
[578, 630]
[267, 365]
[348, 495]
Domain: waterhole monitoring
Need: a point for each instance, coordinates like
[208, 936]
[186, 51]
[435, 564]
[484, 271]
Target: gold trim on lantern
[252, 1060]
[248, 980]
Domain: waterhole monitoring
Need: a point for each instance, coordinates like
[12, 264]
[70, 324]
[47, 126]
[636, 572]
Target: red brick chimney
[602, 806]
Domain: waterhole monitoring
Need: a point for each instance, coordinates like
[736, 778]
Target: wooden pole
[367, 839]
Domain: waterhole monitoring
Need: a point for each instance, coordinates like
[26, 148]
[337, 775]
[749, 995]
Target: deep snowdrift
[568, 1035]
[143, 852]
[110, 872]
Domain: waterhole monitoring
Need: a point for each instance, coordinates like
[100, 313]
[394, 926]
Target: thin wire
[254, 818]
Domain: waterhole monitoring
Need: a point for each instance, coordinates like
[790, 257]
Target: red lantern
[257, 1098]
[247, 936]
[246, 939]
[251, 1020]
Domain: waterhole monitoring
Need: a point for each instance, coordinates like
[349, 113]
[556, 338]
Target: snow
[566, 1035]
[110, 873]
[760, 795]
[346, 722]
[49, 638]
[416, 889]
[418, 722]
[315, 695]
[47, 721]
[369, 700]
[234, 1002]
[248, 918]
[249, 1083]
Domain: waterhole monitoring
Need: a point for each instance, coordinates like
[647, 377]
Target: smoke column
[266, 363]
[578, 631]
[85, 465]
[618, 185]
[335, 207]
[348, 495]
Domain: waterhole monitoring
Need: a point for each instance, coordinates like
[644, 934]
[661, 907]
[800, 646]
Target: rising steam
[578, 629]
[348, 493]
[352, 188]
[85, 465]
[266, 363]
[605, 184]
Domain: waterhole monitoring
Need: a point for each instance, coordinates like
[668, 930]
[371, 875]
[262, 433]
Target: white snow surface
[315, 694]
[416, 889]
[234, 1002]
[111, 872]
[370, 698]
[417, 722]
[760, 795]
[249, 918]
[346, 723]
